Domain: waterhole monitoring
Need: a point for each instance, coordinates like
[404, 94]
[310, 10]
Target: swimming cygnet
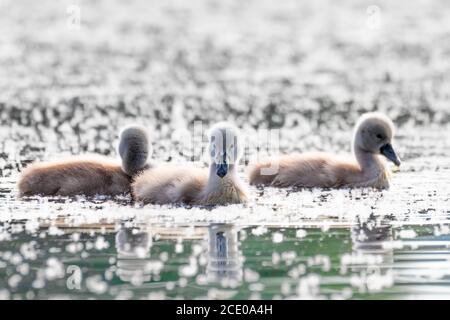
[372, 139]
[89, 175]
[183, 184]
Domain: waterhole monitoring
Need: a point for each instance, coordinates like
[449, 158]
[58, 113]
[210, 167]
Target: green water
[224, 261]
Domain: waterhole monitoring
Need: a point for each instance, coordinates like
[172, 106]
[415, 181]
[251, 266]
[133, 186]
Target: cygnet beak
[388, 151]
[222, 169]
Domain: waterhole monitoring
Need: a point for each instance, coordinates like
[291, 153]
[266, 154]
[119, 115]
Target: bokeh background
[307, 67]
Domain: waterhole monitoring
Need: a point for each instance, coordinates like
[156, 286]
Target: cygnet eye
[380, 136]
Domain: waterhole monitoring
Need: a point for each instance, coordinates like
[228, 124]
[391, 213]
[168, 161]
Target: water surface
[309, 69]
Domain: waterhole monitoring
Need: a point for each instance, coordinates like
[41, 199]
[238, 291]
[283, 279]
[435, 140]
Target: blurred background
[73, 72]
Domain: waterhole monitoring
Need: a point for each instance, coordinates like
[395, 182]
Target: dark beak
[222, 170]
[388, 151]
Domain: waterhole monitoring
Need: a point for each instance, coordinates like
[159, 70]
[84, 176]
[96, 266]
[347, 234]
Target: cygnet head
[133, 149]
[224, 148]
[374, 133]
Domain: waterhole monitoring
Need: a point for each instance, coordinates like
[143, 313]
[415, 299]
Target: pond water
[310, 244]
[307, 69]
[225, 261]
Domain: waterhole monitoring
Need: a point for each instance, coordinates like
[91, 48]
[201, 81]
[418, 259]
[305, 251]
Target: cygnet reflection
[224, 258]
[369, 237]
[373, 256]
[133, 251]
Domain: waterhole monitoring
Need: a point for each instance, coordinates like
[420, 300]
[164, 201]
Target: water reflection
[410, 262]
[224, 257]
[377, 258]
[370, 239]
[220, 241]
[133, 251]
[371, 260]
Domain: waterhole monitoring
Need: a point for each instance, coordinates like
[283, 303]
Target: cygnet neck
[370, 163]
